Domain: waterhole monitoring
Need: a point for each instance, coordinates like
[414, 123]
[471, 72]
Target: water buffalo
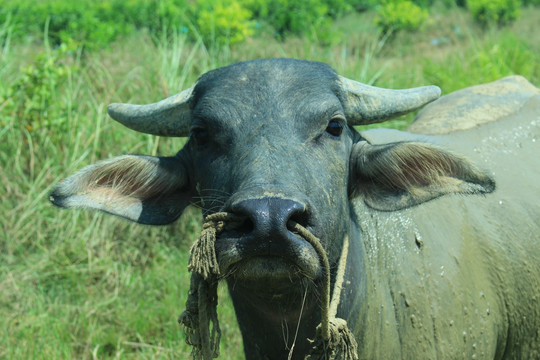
[440, 265]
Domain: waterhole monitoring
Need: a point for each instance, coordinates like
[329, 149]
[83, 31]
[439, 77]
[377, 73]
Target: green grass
[75, 284]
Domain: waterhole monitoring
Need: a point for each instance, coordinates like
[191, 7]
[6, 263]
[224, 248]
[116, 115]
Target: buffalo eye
[335, 127]
[199, 135]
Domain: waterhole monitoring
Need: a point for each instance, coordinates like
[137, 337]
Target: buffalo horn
[366, 104]
[168, 117]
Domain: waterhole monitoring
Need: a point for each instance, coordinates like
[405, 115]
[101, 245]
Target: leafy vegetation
[75, 284]
[494, 12]
[298, 16]
[397, 15]
[95, 24]
[226, 22]
[33, 97]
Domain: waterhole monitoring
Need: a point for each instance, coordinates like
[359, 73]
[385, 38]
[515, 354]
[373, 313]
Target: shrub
[362, 5]
[494, 12]
[96, 23]
[92, 23]
[289, 16]
[82, 22]
[397, 15]
[424, 4]
[224, 22]
[35, 100]
[337, 8]
[298, 16]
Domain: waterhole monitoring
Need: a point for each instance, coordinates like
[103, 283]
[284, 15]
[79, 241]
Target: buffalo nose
[267, 217]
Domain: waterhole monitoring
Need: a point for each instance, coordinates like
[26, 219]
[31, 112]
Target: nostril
[246, 227]
[299, 216]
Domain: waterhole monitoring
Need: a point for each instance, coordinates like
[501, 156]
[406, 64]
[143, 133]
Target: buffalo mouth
[272, 263]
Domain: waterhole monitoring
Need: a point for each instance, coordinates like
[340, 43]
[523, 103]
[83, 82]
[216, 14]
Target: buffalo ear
[399, 175]
[144, 189]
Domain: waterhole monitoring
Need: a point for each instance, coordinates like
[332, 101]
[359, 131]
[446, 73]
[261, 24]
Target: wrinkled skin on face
[272, 141]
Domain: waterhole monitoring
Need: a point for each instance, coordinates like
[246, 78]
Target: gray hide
[459, 278]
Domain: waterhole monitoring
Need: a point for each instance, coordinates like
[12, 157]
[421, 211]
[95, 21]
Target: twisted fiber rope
[203, 259]
[201, 304]
[333, 338]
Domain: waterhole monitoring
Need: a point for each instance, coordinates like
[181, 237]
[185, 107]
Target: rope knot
[339, 344]
[202, 258]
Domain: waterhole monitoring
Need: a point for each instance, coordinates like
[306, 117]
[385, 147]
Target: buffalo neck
[276, 325]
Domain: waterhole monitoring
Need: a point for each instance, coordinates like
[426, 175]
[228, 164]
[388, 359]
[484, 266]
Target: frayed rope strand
[341, 343]
[201, 310]
[203, 259]
[201, 305]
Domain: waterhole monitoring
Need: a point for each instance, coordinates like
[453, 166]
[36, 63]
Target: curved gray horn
[169, 117]
[366, 104]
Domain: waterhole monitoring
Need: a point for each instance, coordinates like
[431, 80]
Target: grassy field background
[78, 284]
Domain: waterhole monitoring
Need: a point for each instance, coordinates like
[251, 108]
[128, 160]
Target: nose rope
[333, 338]
[201, 304]
[202, 258]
